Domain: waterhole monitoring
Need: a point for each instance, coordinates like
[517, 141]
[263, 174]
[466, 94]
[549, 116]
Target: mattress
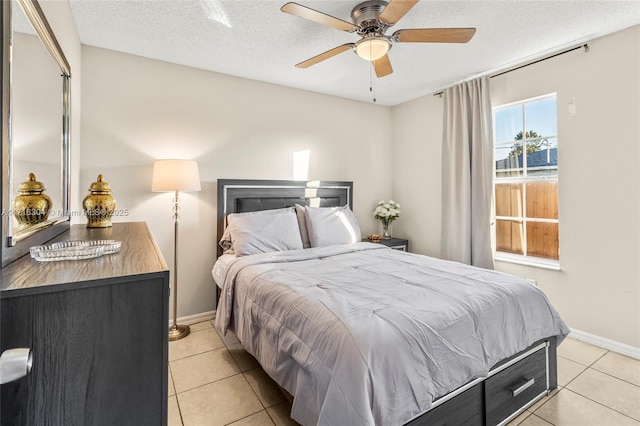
[361, 334]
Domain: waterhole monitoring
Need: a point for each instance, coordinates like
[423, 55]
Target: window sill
[536, 262]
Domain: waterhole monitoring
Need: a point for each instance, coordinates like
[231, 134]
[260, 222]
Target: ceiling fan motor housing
[365, 17]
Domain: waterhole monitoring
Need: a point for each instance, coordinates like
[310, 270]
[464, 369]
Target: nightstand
[394, 243]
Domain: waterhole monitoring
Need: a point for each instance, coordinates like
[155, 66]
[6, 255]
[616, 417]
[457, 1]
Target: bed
[361, 334]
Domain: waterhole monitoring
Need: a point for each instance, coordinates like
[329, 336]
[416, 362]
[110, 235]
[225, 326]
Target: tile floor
[213, 381]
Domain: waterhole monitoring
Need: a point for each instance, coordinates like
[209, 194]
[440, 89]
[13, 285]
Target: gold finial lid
[31, 185]
[100, 185]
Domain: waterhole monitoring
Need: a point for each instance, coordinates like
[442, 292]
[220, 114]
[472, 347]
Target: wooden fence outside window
[540, 218]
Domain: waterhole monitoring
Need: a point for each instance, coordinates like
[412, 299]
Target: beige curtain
[467, 174]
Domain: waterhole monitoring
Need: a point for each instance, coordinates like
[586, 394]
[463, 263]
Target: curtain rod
[584, 46]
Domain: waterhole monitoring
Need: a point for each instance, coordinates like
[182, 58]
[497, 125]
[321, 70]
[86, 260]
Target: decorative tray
[74, 250]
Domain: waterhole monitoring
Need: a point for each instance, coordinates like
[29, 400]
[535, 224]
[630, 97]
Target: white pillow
[264, 231]
[302, 224]
[332, 225]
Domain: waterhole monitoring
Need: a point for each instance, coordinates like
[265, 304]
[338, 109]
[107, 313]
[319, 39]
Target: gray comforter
[361, 334]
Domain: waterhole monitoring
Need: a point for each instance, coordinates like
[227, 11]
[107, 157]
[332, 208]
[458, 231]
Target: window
[526, 181]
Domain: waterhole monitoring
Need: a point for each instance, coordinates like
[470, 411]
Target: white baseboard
[193, 319]
[621, 348]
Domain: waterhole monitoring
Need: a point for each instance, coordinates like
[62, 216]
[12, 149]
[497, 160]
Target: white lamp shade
[175, 175]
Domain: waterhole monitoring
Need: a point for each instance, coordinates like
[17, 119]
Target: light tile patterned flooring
[213, 381]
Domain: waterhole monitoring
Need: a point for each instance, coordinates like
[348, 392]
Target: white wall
[136, 110]
[598, 289]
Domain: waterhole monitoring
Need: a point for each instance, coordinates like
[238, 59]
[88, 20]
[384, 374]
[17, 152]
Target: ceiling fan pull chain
[371, 83]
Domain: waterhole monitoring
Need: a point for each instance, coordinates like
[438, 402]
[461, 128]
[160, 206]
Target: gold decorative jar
[31, 206]
[99, 204]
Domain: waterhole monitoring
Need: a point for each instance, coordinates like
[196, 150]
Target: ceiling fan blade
[434, 35]
[326, 55]
[382, 66]
[395, 10]
[319, 17]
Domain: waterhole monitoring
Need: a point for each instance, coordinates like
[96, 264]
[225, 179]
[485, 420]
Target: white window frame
[524, 259]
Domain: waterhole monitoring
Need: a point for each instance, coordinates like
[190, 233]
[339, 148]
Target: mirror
[35, 130]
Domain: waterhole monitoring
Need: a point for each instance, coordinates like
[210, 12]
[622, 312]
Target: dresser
[97, 329]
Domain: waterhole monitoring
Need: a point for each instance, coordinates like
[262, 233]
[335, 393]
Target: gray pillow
[264, 231]
[302, 224]
[332, 225]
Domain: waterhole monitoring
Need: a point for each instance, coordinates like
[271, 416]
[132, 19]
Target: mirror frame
[15, 245]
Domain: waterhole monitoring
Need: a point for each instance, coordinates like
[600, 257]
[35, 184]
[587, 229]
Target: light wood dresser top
[139, 255]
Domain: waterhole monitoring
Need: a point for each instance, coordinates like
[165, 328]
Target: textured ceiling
[255, 40]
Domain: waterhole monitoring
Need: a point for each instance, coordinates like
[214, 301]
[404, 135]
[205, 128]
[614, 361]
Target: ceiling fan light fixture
[371, 49]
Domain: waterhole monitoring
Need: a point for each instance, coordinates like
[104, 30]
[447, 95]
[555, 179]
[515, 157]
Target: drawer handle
[526, 385]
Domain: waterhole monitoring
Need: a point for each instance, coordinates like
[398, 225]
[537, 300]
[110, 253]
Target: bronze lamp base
[177, 332]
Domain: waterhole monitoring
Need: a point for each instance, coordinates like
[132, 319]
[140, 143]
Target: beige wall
[417, 169]
[598, 289]
[136, 110]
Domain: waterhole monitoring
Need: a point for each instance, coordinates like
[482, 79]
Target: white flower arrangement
[387, 211]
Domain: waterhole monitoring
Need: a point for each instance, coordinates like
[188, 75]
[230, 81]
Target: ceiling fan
[371, 19]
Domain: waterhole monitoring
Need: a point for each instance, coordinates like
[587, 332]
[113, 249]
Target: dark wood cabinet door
[97, 358]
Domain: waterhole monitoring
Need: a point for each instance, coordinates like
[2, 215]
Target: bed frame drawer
[466, 409]
[515, 386]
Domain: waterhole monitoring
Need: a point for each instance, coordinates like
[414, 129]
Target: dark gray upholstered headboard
[240, 196]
